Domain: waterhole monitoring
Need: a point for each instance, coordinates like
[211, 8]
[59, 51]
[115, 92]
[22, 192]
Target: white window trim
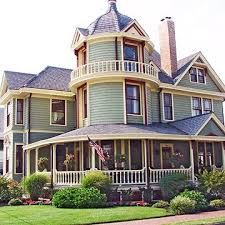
[163, 106]
[141, 98]
[19, 124]
[202, 104]
[14, 163]
[197, 68]
[58, 125]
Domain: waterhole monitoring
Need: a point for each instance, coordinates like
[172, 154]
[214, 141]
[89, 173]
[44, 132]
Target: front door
[166, 154]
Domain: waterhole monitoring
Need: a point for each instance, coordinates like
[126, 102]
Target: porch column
[192, 161]
[28, 162]
[223, 154]
[93, 158]
[36, 159]
[54, 162]
[147, 166]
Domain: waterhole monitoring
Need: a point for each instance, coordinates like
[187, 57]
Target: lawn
[49, 215]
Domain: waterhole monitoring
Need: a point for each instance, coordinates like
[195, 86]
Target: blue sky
[37, 33]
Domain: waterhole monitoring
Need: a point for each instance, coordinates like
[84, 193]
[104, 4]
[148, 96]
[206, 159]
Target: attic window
[197, 75]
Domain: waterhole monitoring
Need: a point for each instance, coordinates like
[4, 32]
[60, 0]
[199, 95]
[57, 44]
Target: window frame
[202, 105]
[197, 75]
[16, 112]
[65, 112]
[140, 99]
[15, 158]
[132, 45]
[172, 100]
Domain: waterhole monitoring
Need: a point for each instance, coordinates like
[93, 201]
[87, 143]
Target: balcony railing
[114, 66]
[120, 177]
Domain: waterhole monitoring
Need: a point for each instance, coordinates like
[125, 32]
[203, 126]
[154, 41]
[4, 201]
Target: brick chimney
[168, 50]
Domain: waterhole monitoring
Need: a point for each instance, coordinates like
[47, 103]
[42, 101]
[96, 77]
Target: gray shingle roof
[51, 78]
[16, 80]
[191, 125]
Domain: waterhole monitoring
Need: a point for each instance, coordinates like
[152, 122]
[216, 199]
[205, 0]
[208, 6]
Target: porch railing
[157, 174]
[114, 66]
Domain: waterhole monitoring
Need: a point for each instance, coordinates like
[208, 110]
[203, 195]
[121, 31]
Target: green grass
[49, 215]
[202, 222]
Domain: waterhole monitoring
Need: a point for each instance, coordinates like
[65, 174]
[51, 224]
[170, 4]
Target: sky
[37, 33]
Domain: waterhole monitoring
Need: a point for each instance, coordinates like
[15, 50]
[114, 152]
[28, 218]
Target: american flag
[98, 149]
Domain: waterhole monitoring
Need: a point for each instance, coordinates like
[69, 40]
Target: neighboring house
[154, 114]
[1, 139]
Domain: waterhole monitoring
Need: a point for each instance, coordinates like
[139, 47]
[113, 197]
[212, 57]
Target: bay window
[19, 111]
[133, 99]
[168, 106]
[58, 112]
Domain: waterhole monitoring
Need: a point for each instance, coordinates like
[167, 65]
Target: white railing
[69, 177]
[121, 177]
[114, 66]
[157, 174]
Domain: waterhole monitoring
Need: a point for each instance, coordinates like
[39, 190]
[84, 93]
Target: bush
[34, 185]
[79, 198]
[161, 204]
[201, 202]
[217, 204]
[96, 179]
[9, 189]
[172, 184]
[182, 205]
[213, 183]
[15, 202]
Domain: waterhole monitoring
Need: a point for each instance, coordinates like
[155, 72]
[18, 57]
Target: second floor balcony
[115, 68]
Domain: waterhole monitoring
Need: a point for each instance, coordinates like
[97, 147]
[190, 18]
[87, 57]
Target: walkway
[174, 219]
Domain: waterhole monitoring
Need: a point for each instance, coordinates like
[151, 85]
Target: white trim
[58, 125]
[124, 103]
[19, 124]
[88, 105]
[162, 97]
[14, 158]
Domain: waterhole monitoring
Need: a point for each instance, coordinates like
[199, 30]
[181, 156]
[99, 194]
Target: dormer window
[197, 75]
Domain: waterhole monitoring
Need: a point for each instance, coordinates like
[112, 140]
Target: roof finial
[111, 2]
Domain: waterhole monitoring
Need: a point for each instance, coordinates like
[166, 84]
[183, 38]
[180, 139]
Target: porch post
[28, 162]
[93, 158]
[223, 154]
[192, 161]
[54, 162]
[147, 166]
[36, 159]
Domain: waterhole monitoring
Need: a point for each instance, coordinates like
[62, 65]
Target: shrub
[34, 185]
[79, 198]
[182, 205]
[213, 183]
[15, 202]
[96, 179]
[201, 202]
[161, 204]
[217, 204]
[172, 184]
[9, 189]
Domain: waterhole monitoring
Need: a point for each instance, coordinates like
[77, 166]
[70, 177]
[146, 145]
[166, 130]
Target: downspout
[29, 116]
[160, 105]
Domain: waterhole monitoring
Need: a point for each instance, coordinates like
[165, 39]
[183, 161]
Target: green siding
[40, 115]
[155, 106]
[149, 113]
[35, 136]
[209, 86]
[135, 119]
[106, 103]
[182, 107]
[211, 128]
[103, 51]
[218, 109]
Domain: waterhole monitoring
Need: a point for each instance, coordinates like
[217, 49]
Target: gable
[211, 129]
[134, 30]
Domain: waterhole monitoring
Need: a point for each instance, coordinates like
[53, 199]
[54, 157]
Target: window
[133, 99]
[136, 155]
[196, 106]
[8, 114]
[168, 106]
[201, 106]
[85, 103]
[19, 158]
[130, 53]
[19, 112]
[58, 112]
[197, 75]
[6, 159]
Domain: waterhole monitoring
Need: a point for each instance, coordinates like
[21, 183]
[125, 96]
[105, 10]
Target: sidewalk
[174, 219]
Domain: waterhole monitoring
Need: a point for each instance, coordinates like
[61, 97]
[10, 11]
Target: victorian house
[154, 115]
